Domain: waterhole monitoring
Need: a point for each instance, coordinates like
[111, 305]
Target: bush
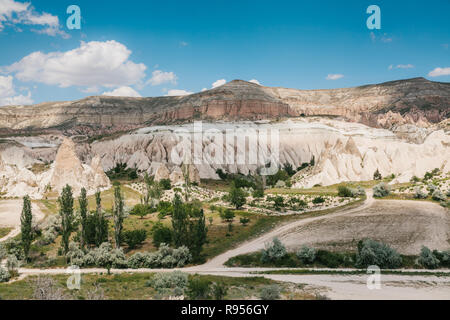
[172, 283]
[165, 208]
[165, 184]
[244, 221]
[198, 289]
[444, 257]
[419, 194]
[318, 200]
[274, 251]
[4, 275]
[134, 238]
[165, 257]
[105, 256]
[438, 195]
[219, 291]
[227, 215]
[142, 210]
[428, 259]
[344, 192]
[3, 252]
[271, 292]
[161, 234]
[381, 190]
[371, 252]
[377, 175]
[13, 265]
[306, 255]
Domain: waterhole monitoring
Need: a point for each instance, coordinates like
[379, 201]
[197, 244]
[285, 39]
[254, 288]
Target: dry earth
[405, 225]
[10, 211]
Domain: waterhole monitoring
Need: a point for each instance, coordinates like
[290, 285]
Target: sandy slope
[10, 211]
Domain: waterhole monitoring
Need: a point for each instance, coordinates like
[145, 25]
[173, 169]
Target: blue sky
[155, 48]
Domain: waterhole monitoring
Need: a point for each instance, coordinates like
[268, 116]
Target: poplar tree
[179, 222]
[118, 214]
[66, 212]
[26, 220]
[83, 213]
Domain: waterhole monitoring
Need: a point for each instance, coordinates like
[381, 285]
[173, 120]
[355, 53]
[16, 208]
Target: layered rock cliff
[414, 101]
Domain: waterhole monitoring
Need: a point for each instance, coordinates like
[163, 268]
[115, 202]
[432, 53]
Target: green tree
[377, 175]
[179, 222]
[237, 196]
[118, 214]
[101, 225]
[26, 220]
[161, 234]
[199, 233]
[82, 201]
[67, 218]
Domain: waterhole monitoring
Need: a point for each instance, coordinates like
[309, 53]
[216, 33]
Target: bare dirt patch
[405, 225]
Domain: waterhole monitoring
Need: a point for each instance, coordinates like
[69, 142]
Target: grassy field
[4, 232]
[325, 191]
[139, 287]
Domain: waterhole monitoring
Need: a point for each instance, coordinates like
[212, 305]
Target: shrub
[227, 215]
[381, 190]
[344, 192]
[12, 264]
[443, 256]
[431, 188]
[198, 288]
[377, 175]
[3, 252]
[161, 234]
[414, 179]
[371, 252]
[306, 255]
[4, 275]
[165, 257]
[105, 256]
[165, 184]
[134, 238]
[244, 221]
[270, 292]
[237, 196]
[438, 195]
[428, 259]
[274, 251]
[419, 194]
[278, 202]
[448, 193]
[165, 208]
[219, 290]
[142, 210]
[173, 282]
[318, 200]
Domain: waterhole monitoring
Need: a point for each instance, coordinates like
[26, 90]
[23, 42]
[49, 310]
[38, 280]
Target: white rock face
[18, 181]
[343, 151]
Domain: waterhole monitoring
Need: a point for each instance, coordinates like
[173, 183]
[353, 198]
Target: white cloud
[93, 64]
[219, 83]
[177, 92]
[183, 44]
[13, 13]
[204, 89]
[159, 77]
[123, 92]
[7, 93]
[255, 81]
[334, 76]
[438, 72]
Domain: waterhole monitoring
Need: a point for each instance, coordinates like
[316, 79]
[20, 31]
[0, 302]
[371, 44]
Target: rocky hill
[414, 101]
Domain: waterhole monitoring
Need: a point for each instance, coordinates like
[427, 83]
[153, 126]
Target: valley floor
[338, 284]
